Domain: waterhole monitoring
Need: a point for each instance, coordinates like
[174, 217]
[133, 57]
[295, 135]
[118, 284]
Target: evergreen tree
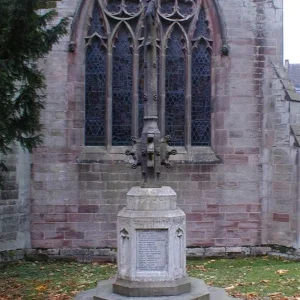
[25, 36]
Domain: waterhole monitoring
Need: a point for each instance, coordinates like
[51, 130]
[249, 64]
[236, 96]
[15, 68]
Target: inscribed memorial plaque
[152, 250]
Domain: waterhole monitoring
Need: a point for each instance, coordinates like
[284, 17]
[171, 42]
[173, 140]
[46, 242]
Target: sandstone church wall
[15, 202]
[281, 161]
[76, 194]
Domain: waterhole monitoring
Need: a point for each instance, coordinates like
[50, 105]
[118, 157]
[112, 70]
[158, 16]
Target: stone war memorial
[151, 229]
[195, 93]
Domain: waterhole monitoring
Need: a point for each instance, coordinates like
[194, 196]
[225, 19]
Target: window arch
[114, 73]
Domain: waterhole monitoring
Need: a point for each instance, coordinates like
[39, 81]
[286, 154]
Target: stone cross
[150, 151]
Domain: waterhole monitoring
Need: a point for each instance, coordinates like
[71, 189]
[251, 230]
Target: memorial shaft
[150, 151]
[150, 140]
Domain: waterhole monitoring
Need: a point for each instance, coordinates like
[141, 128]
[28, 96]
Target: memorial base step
[154, 289]
[199, 291]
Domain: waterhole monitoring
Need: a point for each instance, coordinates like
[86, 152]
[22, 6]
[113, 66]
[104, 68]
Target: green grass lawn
[248, 278]
[251, 278]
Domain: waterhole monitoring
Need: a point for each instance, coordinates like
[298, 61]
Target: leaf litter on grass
[247, 278]
[252, 278]
[50, 280]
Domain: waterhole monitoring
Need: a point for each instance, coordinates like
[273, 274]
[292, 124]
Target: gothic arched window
[114, 73]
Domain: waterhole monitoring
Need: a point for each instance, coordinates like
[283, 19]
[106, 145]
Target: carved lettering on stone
[138, 223]
[152, 250]
[150, 224]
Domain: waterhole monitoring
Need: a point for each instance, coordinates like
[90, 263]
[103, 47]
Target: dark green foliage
[25, 37]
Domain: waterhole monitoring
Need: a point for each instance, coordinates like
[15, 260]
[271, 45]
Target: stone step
[199, 291]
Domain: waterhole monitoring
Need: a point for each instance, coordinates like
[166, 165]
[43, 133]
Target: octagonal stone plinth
[147, 199]
[151, 245]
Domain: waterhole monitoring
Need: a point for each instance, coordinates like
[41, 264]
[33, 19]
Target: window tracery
[114, 72]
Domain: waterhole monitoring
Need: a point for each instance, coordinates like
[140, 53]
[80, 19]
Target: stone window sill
[97, 154]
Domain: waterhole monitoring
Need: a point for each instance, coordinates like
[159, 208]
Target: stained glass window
[175, 89]
[96, 24]
[201, 85]
[201, 96]
[185, 7]
[132, 6]
[201, 26]
[167, 6]
[122, 90]
[114, 90]
[113, 6]
[95, 85]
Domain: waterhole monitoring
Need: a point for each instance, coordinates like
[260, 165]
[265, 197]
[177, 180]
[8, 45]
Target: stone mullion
[109, 98]
[188, 99]
[162, 90]
[135, 93]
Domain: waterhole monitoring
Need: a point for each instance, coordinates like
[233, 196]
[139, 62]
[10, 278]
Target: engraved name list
[152, 249]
